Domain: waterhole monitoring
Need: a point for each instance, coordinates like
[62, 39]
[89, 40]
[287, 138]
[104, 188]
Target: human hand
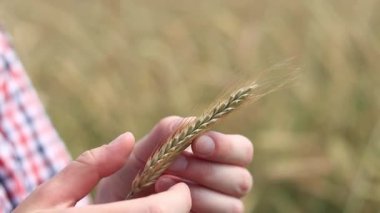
[214, 171]
[76, 181]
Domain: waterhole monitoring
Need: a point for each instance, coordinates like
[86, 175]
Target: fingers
[116, 187]
[222, 148]
[215, 146]
[157, 136]
[228, 179]
[227, 149]
[175, 200]
[205, 200]
[77, 179]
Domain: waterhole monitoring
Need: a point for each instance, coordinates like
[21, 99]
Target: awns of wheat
[278, 76]
[183, 137]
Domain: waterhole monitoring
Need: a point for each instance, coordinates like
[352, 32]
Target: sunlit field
[106, 67]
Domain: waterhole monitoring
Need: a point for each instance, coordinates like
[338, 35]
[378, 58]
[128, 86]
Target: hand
[76, 181]
[214, 171]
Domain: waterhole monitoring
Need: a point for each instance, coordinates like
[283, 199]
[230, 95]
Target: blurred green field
[104, 67]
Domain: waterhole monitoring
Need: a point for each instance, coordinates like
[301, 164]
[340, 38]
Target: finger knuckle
[205, 172]
[87, 158]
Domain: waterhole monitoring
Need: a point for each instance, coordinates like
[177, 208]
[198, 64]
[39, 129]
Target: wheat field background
[105, 67]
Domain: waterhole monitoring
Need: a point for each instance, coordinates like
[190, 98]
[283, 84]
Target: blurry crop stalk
[365, 186]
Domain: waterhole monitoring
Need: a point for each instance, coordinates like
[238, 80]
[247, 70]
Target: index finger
[162, 131]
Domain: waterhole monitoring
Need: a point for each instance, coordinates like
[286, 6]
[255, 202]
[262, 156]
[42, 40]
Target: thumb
[81, 175]
[175, 200]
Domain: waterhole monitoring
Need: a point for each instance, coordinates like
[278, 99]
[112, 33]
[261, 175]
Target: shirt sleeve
[31, 151]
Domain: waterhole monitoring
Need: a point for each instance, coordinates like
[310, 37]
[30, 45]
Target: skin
[211, 177]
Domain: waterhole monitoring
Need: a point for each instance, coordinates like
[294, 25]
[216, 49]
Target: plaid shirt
[30, 149]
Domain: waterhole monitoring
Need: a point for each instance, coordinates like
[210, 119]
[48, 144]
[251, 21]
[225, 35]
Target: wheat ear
[182, 138]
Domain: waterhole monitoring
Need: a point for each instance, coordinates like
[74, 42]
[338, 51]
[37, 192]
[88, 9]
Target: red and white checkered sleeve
[31, 151]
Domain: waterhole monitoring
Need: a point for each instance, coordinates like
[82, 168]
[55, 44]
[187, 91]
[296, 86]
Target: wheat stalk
[182, 138]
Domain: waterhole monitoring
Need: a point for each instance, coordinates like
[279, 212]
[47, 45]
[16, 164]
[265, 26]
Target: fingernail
[180, 164]
[121, 138]
[204, 146]
[164, 184]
